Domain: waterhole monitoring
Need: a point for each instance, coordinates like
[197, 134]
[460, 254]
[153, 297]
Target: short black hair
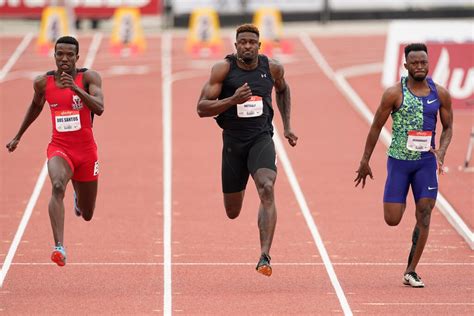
[247, 28]
[68, 40]
[415, 47]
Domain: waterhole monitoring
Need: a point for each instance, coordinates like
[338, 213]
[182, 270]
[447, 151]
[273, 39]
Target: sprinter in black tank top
[238, 95]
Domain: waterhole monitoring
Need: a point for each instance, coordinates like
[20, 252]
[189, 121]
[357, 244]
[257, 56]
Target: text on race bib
[251, 108]
[67, 121]
[419, 140]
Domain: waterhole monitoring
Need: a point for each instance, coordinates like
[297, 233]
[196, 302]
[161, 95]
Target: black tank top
[261, 83]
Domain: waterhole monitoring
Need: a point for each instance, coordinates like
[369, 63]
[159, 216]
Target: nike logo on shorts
[432, 188]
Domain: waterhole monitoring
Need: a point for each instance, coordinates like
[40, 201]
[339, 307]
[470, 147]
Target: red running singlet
[72, 137]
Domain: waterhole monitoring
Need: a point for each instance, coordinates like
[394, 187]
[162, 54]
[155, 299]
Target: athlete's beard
[245, 60]
[418, 78]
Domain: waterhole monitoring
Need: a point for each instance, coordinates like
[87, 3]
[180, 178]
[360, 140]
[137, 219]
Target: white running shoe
[413, 279]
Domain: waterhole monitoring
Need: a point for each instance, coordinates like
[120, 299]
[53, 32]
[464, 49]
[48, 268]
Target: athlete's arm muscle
[33, 111]
[446, 117]
[92, 96]
[208, 104]
[283, 99]
[390, 100]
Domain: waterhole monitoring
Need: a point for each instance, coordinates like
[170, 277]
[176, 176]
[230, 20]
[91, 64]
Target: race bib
[67, 121]
[251, 108]
[419, 140]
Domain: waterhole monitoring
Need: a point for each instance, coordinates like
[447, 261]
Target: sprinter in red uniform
[74, 96]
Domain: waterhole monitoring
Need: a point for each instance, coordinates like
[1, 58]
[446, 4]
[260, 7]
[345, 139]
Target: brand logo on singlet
[263, 75]
[76, 102]
[53, 105]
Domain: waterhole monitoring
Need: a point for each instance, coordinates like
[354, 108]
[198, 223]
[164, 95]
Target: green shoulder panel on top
[409, 117]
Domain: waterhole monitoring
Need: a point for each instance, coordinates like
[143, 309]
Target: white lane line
[166, 77]
[341, 83]
[227, 264]
[23, 223]
[14, 57]
[283, 158]
[360, 70]
[39, 182]
[93, 49]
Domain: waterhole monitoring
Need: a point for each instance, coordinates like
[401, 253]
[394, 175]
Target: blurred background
[96, 14]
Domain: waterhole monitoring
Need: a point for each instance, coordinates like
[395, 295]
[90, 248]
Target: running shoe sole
[58, 258]
[415, 285]
[265, 270]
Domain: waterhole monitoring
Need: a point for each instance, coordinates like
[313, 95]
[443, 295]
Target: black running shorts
[243, 158]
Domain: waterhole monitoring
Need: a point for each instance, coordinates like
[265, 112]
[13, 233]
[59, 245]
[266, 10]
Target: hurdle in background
[270, 25]
[204, 38]
[55, 22]
[127, 32]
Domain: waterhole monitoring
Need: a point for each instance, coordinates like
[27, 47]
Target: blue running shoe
[77, 211]
[59, 256]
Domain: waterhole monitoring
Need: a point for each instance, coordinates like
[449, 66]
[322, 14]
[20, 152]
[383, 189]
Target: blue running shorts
[421, 175]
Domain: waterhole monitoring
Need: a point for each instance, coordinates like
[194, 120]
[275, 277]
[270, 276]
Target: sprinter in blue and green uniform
[413, 159]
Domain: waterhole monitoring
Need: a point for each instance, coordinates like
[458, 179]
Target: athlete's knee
[87, 216]
[266, 191]
[232, 208]
[233, 203]
[392, 220]
[87, 213]
[232, 211]
[59, 188]
[423, 215]
[393, 213]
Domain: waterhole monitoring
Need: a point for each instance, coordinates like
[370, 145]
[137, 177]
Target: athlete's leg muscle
[267, 216]
[393, 213]
[86, 196]
[424, 207]
[60, 173]
[233, 203]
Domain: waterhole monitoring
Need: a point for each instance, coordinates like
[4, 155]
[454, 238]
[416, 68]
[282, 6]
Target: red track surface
[115, 263]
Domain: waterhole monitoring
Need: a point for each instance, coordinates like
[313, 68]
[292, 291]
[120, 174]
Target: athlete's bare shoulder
[91, 74]
[276, 68]
[274, 63]
[442, 91]
[444, 96]
[220, 70]
[395, 89]
[392, 96]
[39, 83]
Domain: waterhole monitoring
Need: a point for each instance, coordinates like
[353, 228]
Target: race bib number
[251, 108]
[419, 140]
[67, 121]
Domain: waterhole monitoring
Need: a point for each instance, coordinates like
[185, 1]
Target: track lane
[361, 234]
[127, 224]
[202, 233]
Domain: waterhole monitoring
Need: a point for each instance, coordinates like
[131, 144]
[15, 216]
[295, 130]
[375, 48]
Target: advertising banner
[450, 55]
[82, 8]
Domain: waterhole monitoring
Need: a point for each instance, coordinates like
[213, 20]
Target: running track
[160, 242]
